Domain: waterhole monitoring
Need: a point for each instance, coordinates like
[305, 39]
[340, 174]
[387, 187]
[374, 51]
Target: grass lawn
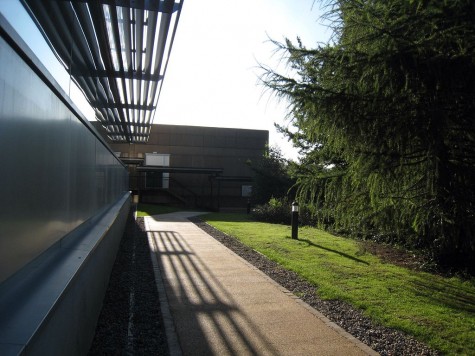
[154, 209]
[436, 310]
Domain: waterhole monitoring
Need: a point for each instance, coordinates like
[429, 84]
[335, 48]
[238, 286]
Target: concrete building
[196, 166]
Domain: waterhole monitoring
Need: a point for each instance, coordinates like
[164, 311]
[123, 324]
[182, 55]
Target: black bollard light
[295, 220]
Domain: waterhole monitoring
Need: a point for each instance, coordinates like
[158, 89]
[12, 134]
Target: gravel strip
[130, 322]
[381, 339]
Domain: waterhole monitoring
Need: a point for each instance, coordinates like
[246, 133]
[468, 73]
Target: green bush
[279, 211]
[276, 211]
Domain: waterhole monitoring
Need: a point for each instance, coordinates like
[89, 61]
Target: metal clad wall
[55, 173]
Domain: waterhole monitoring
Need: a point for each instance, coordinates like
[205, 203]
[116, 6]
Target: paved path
[222, 305]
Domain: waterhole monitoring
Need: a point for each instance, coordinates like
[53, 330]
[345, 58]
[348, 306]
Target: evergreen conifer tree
[384, 114]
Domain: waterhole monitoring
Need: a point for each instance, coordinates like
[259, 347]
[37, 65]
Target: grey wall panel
[51, 308]
[82, 173]
[55, 174]
[36, 201]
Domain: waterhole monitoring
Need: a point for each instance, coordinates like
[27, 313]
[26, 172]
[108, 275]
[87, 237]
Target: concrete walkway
[219, 304]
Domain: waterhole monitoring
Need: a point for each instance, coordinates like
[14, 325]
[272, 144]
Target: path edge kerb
[174, 347]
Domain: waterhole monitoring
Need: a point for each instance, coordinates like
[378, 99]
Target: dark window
[153, 180]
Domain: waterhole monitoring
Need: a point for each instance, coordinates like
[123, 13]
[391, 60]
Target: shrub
[278, 211]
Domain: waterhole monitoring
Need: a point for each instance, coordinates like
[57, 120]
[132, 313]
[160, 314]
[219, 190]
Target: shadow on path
[202, 305]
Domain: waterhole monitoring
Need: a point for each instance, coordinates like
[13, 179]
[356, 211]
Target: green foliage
[384, 115]
[436, 310]
[278, 211]
[272, 178]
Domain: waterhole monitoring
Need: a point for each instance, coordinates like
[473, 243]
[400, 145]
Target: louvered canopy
[116, 51]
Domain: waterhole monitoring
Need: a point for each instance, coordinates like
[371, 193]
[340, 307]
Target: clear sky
[212, 76]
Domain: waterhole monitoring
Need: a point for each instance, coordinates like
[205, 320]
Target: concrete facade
[208, 164]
